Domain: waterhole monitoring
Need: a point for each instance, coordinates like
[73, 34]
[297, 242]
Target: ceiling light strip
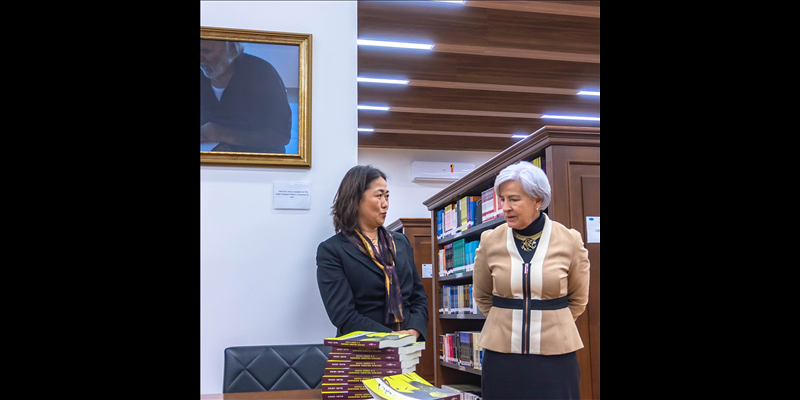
[379, 108]
[443, 133]
[381, 43]
[378, 80]
[571, 117]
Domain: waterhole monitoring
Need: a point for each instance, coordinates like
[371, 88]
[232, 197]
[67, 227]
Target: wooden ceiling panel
[432, 22]
[460, 99]
[454, 123]
[434, 142]
[449, 67]
[495, 68]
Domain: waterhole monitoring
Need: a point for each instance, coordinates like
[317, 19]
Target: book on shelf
[462, 214]
[488, 205]
[457, 299]
[498, 205]
[375, 340]
[539, 162]
[455, 218]
[475, 214]
[408, 387]
[457, 257]
[461, 348]
[439, 224]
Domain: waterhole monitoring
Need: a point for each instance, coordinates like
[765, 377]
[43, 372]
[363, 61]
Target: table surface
[307, 394]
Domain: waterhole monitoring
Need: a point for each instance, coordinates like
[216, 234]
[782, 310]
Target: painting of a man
[243, 101]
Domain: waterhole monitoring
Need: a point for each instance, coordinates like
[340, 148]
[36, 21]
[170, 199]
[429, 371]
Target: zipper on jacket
[526, 293]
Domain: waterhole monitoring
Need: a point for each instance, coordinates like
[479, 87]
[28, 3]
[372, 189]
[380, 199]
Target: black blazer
[353, 288]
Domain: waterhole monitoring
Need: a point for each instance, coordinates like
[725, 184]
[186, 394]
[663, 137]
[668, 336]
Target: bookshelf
[570, 157]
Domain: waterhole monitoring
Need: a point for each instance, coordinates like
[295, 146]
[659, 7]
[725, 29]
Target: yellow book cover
[462, 214]
[407, 387]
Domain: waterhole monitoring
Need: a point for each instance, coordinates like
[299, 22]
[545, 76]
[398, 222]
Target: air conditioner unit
[425, 171]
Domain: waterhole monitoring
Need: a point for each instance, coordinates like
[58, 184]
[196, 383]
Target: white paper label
[427, 270]
[592, 229]
[291, 196]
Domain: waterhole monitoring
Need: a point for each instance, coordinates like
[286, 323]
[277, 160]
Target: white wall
[257, 265]
[405, 196]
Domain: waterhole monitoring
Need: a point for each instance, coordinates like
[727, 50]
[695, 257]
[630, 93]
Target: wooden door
[418, 232]
[574, 174]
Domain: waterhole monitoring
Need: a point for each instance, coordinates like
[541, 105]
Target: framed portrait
[255, 97]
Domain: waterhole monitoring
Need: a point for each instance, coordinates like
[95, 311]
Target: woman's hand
[410, 332]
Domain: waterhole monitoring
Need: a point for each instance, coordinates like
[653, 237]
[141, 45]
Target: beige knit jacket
[560, 267]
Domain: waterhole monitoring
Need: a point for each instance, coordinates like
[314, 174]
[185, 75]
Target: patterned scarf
[384, 257]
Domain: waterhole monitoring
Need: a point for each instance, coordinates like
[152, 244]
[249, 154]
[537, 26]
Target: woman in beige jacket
[531, 280]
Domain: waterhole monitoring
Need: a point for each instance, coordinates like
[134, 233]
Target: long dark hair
[345, 203]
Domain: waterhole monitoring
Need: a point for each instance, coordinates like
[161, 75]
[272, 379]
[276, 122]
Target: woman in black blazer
[366, 274]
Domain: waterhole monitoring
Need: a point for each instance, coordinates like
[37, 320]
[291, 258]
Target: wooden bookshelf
[571, 160]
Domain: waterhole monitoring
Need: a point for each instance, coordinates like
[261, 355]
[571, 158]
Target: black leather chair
[266, 368]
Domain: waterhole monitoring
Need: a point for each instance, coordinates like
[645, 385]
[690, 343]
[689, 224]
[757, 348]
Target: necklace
[528, 242]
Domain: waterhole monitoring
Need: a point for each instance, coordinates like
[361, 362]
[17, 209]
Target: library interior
[440, 98]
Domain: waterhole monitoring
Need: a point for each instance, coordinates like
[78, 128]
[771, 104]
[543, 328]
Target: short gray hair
[238, 49]
[533, 180]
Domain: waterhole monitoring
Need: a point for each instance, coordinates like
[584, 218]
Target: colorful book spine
[356, 364]
[346, 395]
[342, 379]
[439, 226]
[461, 348]
[368, 371]
[371, 357]
[487, 205]
[475, 208]
[463, 214]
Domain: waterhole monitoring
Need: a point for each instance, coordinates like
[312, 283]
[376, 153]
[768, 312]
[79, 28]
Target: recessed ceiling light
[366, 130]
[376, 80]
[394, 44]
[589, 93]
[571, 117]
[450, 1]
[519, 136]
[362, 107]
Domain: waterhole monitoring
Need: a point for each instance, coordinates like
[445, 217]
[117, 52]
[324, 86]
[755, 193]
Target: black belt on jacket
[533, 304]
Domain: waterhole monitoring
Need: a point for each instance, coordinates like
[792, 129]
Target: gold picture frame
[239, 116]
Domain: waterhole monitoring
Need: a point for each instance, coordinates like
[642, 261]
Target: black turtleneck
[535, 227]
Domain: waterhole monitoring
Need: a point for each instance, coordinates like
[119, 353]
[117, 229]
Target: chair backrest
[266, 368]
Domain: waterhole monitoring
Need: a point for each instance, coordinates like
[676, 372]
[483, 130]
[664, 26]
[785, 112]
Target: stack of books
[408, 386]
[359, 356]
